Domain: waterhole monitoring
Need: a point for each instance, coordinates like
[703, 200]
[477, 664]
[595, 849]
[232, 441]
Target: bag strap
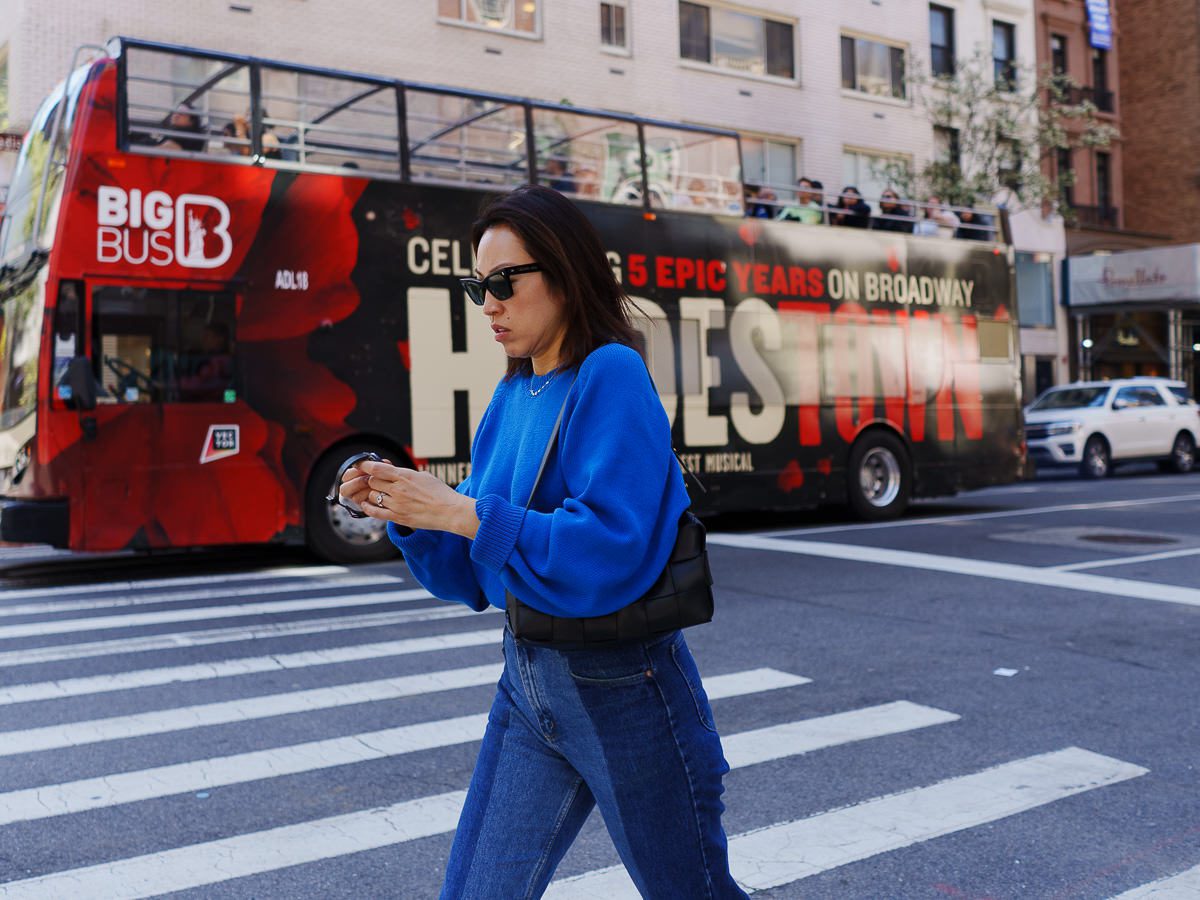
[550, 444]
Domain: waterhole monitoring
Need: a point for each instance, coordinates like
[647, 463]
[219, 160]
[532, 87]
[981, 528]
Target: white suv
[1097, 424]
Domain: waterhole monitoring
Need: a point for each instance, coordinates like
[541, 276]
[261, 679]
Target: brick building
[1139, 193]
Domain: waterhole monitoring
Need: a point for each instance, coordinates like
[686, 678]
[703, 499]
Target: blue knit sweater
[603, 523]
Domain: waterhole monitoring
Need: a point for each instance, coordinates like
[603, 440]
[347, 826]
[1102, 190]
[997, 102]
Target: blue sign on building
[1099, 24]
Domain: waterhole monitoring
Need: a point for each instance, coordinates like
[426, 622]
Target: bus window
[158, 346]
[20, 210]
[317, 121]
[465, 140]
[590, 157]
[995, 340]
[177, 104]
[694, 170]
[66, 333]
[20, 333]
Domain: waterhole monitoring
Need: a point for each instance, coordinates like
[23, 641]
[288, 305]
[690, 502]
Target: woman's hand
[410, 498]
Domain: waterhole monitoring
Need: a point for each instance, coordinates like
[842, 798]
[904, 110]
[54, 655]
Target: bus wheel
[878, 476]
[331, 532]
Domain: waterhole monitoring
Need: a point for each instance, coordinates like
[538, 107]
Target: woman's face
[530, 324]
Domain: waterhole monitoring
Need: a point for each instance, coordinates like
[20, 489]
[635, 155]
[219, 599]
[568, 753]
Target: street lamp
[1196, 347]
[1088, 344]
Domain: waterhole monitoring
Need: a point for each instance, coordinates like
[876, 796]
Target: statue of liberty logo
[196, 233]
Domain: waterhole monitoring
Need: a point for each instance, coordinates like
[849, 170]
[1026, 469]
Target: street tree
[1003, 128]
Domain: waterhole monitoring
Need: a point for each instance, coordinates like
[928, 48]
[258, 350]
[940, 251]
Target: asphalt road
[994, 698]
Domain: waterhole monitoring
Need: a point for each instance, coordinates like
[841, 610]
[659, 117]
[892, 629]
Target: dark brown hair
[565, 244]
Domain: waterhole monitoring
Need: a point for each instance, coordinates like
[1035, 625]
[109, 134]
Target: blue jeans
[628, 729]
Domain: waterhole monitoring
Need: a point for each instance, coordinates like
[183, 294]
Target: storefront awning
[1163, 276]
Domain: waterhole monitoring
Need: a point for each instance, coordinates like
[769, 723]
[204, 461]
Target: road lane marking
[120, 788]
[248, 854]
[974, 517]
[255, 590]
[790, 851]
[977, 568]
[164, 721]
[1184, 886]
[1127, 560]
[171, 583]
[200, 614]
[152, 642]
[227, 668]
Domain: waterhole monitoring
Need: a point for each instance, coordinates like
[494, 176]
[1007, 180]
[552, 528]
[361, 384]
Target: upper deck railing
[179, 101]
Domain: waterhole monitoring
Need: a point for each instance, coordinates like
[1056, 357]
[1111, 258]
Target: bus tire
[329, 531]
[878, 476]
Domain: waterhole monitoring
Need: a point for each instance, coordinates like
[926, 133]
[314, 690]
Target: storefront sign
[10, 143]
[1168, 275]
[1099, 24]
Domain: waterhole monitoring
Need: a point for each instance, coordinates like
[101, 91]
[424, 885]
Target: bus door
[167, 391]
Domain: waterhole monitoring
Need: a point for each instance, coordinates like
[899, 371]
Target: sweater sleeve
[441, 560]
[607, 542]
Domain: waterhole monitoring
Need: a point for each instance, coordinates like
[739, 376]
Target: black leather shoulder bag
[681, 597]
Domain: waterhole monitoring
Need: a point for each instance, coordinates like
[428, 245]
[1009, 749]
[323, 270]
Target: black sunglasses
[498, 284]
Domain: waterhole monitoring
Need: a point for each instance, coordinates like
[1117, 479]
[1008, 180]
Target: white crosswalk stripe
[225, 668]
[128, 787]
[787, 852]
[779, 853]
[166, 617]
[303, 573]
[150, 642]
[249, 854]
[162, 721]
[173, 597]
[1184, 886]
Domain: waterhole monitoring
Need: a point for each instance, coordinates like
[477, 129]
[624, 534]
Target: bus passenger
[809, 206]
[893, 215]
[211, 369]
[850, 210]
[625, 726]
[184, 119]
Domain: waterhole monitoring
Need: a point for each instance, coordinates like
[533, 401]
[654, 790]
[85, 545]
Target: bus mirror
[82, 383]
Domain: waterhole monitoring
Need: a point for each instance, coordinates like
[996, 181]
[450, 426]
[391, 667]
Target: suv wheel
[1183, 453]
[1097, 463]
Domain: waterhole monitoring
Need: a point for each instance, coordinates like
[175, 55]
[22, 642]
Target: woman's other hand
[410, 498]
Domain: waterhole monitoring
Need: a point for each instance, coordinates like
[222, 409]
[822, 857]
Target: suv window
[1180, 393]
[1139, 396]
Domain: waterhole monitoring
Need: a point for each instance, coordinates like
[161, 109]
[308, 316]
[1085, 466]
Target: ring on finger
[379, 498]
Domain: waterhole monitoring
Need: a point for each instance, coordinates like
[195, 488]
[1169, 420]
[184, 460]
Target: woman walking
[626, 727]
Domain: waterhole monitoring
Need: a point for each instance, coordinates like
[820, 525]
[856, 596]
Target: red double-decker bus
[222, 275]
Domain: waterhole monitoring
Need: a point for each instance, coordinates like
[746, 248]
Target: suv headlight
[1056, 429]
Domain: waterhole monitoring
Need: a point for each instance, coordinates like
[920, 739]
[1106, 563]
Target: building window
[4, 87]
[946, 144]
[520, 16]
[1099, 70]
[613, 30]
[1035, 290]
[1058, 55]
[941, 40]
[1066, 175]
[1004, 55]
[1104, 184]
[771, 164]
[868, 171]
[736, 40]
[872, 68]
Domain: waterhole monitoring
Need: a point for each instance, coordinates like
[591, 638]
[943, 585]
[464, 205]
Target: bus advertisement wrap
[249, 326]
